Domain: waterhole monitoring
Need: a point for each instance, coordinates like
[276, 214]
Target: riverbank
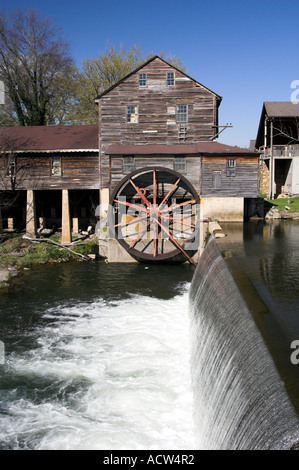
[18, 253]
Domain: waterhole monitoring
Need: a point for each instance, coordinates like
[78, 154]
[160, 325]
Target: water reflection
[264, 260]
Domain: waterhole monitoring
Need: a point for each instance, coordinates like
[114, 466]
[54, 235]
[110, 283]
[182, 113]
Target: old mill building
[153, 150]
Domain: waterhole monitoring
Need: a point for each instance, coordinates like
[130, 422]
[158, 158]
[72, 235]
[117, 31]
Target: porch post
[66, 236]
[31, 214]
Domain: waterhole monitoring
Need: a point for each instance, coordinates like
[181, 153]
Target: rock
[13, 272]
[4, 275]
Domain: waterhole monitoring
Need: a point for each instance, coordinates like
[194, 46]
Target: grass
[19, 253]
[281, 203]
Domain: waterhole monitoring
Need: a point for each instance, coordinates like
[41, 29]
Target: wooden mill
[151, 169]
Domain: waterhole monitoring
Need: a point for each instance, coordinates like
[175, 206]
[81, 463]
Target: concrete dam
[240, 400]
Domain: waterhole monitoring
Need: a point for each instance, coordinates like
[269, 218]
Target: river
[98, 356]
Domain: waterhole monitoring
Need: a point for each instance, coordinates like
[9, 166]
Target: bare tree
[34, 60]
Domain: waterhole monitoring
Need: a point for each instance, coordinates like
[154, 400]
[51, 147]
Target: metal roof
[207, 147]
[49, 138]
[281, 109]
[275, 109]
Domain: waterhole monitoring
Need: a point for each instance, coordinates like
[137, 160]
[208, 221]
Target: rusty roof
[49, 138]
[208, 148]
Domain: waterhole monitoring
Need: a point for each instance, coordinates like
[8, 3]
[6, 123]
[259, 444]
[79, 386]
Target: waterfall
[240, 401]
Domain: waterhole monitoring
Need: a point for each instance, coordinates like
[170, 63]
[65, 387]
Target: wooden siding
[33, 171]
[192, 167]
[157, 104]
[243, 184]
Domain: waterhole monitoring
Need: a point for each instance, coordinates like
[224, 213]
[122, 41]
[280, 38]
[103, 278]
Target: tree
[34, 61]
[99, 73]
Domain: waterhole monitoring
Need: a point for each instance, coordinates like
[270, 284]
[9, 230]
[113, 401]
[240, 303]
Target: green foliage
[100, 73]
[19, 253]
[281, 203]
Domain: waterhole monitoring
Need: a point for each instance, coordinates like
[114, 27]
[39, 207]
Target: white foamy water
[105, 376]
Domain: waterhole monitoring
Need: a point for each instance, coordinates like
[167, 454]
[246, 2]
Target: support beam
[66, 236]
[31, 214]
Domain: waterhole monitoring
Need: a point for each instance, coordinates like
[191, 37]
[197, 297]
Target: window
[180, 163]
[132, 113]
[231, 167]
[11, 166]
[170, 78]
[181, 115]
[128, 164]
[56, 166]
[216, 180]
[142, 79]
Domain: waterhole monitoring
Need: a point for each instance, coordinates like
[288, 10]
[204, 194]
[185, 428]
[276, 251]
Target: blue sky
[245, 51]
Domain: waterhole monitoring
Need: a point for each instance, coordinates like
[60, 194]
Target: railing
[283, 151]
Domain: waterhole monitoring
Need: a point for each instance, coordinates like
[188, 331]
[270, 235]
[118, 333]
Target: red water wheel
[154, 216]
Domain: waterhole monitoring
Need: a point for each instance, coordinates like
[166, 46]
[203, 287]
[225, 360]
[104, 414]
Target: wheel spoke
[133, 221]
[140, 235]
[175, 242]
[169, 192]
[134, 206]
[171, 208]
[181, 221]
[154, 188]
[146, 202]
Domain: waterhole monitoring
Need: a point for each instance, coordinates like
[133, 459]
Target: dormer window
[142, 79]
[170, 78]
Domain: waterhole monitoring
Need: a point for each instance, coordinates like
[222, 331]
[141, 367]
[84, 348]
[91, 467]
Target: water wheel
[154, 216]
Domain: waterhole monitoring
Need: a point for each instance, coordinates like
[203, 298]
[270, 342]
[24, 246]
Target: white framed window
[56, 165]
[231, 167]
[128, 164]
[170, 78]
[182, 113]
[142, 79]
[132, 113]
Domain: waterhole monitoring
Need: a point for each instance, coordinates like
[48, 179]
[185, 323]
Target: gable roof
[219, 98]
[275, 109]
[49, 138]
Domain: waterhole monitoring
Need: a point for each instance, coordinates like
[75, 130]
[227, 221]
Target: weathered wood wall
[157, 104]
[243, 184]
[33, 171]
[192, 173]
